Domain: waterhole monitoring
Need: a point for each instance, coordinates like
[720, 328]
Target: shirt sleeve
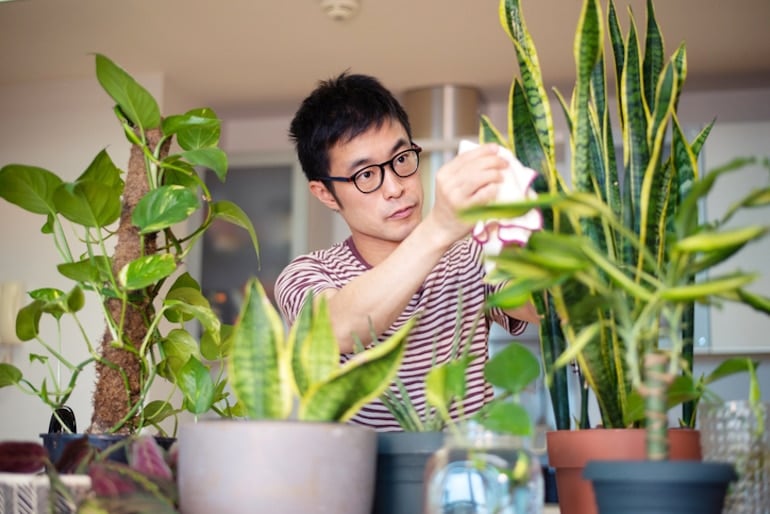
[303, 274]
[511, 325]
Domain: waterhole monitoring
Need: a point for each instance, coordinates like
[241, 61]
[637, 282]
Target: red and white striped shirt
[459, 274]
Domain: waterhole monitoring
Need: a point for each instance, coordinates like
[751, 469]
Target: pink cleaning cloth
[494, 234]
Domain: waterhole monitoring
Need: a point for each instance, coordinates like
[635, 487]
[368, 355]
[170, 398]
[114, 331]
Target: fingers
[473, 177]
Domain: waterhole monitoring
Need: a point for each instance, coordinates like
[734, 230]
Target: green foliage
[80, 217]
[273, 373]
[622, 245]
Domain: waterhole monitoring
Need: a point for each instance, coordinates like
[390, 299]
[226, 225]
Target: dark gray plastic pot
[659, 487]
[401, 461]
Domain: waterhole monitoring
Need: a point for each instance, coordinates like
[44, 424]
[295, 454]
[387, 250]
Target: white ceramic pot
[241, 467]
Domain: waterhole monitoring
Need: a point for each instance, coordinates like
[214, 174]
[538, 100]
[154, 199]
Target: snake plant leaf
[197, 386]
[587, 51]
[683, 159]
[29, 187]
[88, 203]
[232, 213]
[552, 344]
[658, 182]
[314, 348]
[357, 382]
[616, 41]
[299, 334]
[488, 133]
[163, 207]
[635, 111]
[526, 144]
[134, 101]
[512, 19]
[257, 366]
[680, 63]
[198, 128]
[9, 374]
[146, 270]
[653, 55]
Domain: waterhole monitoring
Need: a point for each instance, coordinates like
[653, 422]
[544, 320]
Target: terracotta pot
[570, 450]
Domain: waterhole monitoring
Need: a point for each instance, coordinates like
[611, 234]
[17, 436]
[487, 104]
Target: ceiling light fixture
[340, 10]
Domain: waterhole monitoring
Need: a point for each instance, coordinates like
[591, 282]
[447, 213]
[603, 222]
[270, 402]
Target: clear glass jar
[482, 472]
[739, 433]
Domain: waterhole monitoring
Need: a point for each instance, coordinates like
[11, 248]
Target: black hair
[338, 110]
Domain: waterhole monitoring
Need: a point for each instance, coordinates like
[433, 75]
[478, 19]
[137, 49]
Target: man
[355, 146]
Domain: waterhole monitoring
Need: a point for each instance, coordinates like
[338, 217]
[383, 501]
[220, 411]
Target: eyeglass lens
[404, 164]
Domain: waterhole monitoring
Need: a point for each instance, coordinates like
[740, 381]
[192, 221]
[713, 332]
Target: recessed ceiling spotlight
[340, 10]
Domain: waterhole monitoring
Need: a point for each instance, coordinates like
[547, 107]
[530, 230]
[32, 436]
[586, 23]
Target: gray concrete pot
[289, 467]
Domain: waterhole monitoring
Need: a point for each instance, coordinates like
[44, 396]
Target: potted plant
[124, 240]
[615, 268]
[293, 452]
[411, 465]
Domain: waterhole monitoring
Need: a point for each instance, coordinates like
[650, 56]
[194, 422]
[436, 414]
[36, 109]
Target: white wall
[62, 125]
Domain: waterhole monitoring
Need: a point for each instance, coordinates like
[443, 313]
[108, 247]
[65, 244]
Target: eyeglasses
[369, 179]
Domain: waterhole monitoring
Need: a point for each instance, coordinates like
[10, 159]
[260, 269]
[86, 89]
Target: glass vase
[737, 432]
[482, 472]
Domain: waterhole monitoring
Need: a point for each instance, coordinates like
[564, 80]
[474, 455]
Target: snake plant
[275, 375]
[622, 244]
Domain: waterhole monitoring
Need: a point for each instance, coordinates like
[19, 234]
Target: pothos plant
[617, 266]
[123, 238]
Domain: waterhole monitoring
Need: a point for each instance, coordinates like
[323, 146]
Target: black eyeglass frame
[415, 148]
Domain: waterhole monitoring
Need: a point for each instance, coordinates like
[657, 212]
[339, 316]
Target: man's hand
[472, 178]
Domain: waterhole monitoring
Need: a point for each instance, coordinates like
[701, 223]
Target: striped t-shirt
[459, 273]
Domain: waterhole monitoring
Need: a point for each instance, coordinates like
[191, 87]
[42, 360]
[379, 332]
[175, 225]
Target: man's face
[388, 214]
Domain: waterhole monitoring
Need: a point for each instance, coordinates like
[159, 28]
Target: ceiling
[262, 56]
